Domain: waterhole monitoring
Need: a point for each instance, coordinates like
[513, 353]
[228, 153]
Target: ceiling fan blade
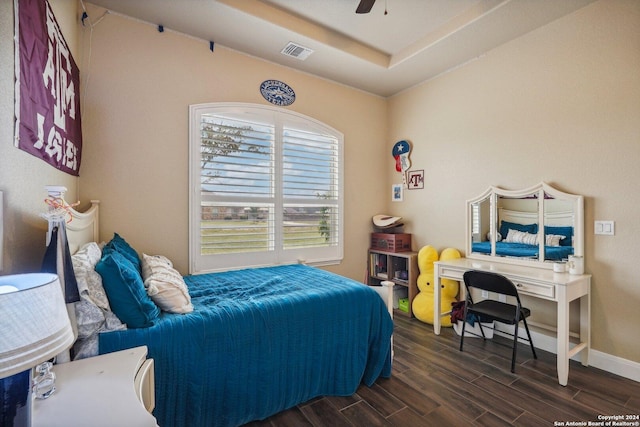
[365, 6]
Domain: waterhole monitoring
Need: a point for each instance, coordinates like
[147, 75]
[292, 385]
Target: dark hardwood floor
[434, 384]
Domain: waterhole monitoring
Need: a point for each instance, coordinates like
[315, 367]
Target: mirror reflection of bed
[536, 225]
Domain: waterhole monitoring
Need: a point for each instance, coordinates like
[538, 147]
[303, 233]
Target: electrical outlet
[485, 294]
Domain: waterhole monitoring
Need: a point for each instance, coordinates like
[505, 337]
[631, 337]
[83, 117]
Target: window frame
[199, 263]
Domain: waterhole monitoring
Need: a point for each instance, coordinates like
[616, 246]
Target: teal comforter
[260, 341]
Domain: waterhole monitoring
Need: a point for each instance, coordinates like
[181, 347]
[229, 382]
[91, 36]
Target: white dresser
[562, 288]
[115, 389]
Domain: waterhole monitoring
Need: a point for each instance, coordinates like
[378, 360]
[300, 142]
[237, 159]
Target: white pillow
[553, 239]
[516, 236]
[89, 281]
[165, 285]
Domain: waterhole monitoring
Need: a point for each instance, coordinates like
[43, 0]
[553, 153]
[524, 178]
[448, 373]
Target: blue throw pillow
[505, 226]
[566, 231]
[125, 290]
[120, 245]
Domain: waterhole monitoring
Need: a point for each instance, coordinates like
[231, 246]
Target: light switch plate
[604, 227]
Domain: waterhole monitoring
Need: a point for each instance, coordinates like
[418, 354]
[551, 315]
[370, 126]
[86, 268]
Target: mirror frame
[493, 192]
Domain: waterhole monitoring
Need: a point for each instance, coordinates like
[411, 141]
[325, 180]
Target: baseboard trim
[598, 359]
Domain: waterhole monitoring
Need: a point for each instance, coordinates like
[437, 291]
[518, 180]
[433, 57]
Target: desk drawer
[451, 273]
[547, 291]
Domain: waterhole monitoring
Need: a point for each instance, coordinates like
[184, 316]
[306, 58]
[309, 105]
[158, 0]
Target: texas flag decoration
[400, 153]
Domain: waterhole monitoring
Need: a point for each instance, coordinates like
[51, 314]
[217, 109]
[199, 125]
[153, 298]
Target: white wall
[141, 83]
[562, 105]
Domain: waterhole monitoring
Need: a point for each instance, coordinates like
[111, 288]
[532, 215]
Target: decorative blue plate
[277, 92]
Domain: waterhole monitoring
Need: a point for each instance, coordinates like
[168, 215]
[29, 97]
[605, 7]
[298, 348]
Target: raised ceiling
[376, 52]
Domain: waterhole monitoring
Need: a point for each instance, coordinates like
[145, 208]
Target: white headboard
[82, 227]
[555, 219]
[517, 217]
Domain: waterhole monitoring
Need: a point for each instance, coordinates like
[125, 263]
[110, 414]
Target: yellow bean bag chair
[422, 305]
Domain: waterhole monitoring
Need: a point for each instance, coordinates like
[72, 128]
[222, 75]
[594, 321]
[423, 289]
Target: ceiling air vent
[296, 51]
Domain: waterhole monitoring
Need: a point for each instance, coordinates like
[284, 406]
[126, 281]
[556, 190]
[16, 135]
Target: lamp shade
[34, 324]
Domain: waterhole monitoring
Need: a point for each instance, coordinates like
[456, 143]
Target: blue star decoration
[401, 147]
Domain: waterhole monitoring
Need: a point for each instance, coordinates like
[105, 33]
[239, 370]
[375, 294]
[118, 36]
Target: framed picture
[415, 179]
[396, 193]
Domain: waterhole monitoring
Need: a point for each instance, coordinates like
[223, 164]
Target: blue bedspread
[260, 341]
[510, 249]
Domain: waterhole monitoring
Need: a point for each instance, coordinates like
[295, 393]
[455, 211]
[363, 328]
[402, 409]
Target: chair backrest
[491, 282]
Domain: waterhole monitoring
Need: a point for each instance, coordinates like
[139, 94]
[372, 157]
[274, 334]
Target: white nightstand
[115, 389]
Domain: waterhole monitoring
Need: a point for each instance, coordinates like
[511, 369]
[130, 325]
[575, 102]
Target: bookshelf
[401, 268]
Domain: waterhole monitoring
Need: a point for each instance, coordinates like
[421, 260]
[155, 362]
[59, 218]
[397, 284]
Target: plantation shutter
[310, 189]
[475, 222]
[236, 176]
[266, 188]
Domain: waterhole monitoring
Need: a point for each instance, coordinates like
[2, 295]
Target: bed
[257, 341]
[518, 234]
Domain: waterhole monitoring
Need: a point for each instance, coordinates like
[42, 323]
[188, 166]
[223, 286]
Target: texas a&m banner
[47, 89]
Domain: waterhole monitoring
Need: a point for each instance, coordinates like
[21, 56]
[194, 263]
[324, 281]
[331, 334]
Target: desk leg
[436, 302]
[585, 327]
[563, 336]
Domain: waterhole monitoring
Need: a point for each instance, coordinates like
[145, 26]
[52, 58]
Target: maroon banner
[47, 89]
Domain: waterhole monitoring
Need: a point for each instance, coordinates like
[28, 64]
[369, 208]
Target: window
[475, 222]
[266, 188]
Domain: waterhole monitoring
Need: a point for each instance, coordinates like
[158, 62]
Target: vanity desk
[539, 283]
[525, 235]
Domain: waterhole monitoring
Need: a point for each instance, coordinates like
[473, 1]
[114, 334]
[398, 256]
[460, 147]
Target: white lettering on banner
[57, 146]
[40, 142]
[71, 155]
[57, 77]
[54, 144]
[57, 74]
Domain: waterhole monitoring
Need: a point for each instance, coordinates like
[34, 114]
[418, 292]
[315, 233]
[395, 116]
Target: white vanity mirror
[536, 226]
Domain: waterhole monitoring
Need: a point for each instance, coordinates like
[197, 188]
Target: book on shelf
[378, 266]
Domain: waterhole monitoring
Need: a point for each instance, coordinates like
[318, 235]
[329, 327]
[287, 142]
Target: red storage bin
[391, 242]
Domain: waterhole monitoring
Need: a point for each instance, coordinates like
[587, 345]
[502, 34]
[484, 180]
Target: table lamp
[34, 327]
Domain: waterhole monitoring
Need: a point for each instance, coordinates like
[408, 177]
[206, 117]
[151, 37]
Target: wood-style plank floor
[434, 384]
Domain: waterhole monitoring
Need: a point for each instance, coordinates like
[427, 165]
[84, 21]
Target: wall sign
[47, 89]
[277, 92]
[415, 179]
